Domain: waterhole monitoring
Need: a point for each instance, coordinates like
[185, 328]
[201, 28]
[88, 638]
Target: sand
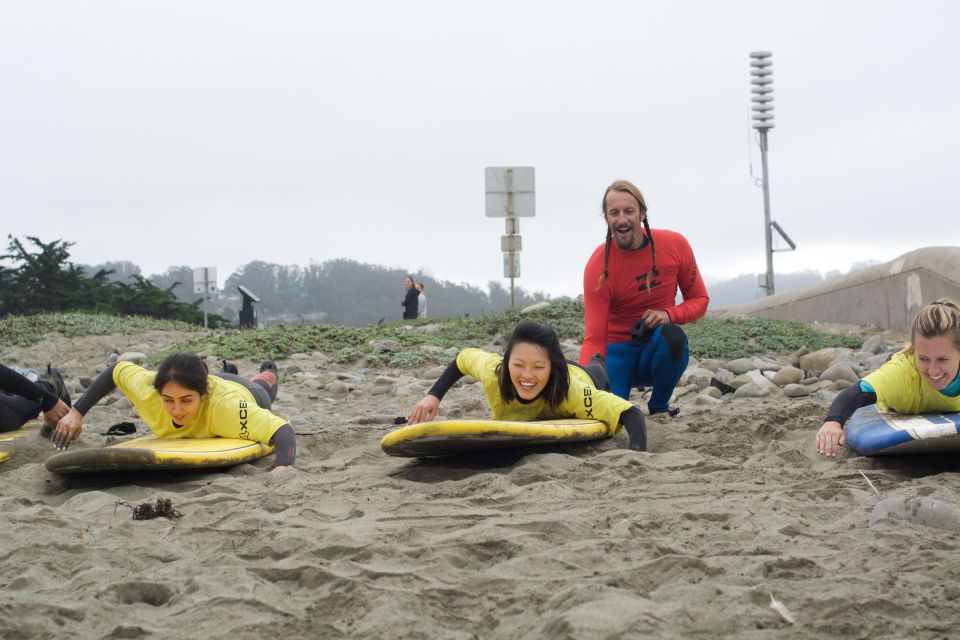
[690, 539]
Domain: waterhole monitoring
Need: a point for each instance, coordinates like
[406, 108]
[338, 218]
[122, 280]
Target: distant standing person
[630, 313]
[410, 301]
[421, 302]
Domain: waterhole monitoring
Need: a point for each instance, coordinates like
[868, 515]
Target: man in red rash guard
[630, 286]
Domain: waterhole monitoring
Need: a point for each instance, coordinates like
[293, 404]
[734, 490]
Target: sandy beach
[730, 506]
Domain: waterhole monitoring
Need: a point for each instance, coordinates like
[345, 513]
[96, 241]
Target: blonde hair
[936, 319]
[626, 187]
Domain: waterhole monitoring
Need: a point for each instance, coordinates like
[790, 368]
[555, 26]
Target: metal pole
[510, 217]
[767, 230]
[206, 288]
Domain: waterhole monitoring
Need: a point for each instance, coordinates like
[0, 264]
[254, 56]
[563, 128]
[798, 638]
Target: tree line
[41, 279]
[340, 291]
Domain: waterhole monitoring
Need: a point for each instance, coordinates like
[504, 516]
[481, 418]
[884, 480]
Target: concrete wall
[887, 296]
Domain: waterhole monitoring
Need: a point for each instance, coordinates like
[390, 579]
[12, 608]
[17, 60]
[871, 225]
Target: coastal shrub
[27, 330]
[709, 337]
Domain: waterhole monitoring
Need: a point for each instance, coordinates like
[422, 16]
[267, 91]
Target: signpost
[205, 283]
[510, 194]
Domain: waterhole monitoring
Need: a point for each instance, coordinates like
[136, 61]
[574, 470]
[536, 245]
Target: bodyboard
[151, 454]
[449, 437]
[8, 439]
[871, 433]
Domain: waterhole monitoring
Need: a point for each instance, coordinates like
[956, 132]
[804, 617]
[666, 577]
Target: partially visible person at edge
[410, 300]
[26, 393]
[533, 381]
[630, 287]
[922, 378]
[183, 400]
[421, 301]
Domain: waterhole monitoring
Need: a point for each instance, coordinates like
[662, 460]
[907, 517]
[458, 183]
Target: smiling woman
[922, 378]
[182, 400]
[533, 381]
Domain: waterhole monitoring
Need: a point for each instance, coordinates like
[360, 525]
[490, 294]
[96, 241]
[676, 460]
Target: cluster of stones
[821, 374]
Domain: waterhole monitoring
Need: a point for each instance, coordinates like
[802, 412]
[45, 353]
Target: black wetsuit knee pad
[676, 339]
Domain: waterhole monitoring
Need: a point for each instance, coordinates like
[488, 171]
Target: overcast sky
[213, 133]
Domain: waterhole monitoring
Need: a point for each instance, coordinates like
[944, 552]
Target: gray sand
[589, 541]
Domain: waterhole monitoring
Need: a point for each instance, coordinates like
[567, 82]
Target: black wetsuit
[22, 400]
[411, 303]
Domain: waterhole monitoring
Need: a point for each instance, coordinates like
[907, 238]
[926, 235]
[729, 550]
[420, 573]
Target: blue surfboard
[873, 433]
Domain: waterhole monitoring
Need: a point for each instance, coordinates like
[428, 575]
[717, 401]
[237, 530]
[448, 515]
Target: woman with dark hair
[534, 381]
[183, 400]
[410, 300]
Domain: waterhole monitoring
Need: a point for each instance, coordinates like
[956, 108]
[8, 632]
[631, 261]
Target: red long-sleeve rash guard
[610, 310]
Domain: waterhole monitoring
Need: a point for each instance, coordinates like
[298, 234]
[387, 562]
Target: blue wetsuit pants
[657, 362]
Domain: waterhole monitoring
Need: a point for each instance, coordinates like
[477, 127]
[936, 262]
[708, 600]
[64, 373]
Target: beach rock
[763, 365]
[740, 381]
[794, 358]
[874, 344]
[751, 390]
[794, 390]
[432, 373]
[285, 396]
[787, 375]
[384, 380]
[724, 375]
[700, 377]
[760, 379]
[840, 385]
[875, 362]
[385, 346]
[840, 371]
[703, 400]
[337, 387]
[135, 357]
[740, 365]
[825, 395]
[821, 359]
[713, 392]
[381, 390]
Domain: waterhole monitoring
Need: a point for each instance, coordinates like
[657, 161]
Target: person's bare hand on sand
[68, 429]
[56, 412]
[829, 437]
[425, 410]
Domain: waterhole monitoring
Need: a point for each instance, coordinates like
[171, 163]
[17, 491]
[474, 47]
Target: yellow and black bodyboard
[152, 453]
[449, 437]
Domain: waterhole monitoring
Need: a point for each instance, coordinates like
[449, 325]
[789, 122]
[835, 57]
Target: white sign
[511, 265]
[510, 192]
[205, 280]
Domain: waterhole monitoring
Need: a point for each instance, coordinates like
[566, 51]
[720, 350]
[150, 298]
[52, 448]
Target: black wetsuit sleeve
[285, 440]
[97, 391]
[848, 401]
[446, 380]
[13, 382]
[632, 420]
